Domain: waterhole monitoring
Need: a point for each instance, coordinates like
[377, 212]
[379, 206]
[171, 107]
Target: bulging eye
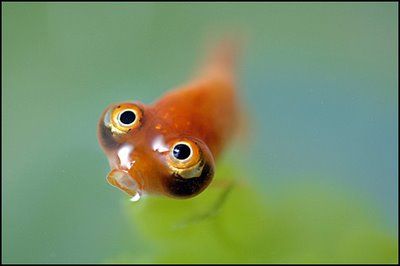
[125, 117]
[184, 154]
[185, 159]
[191, 166]
[182, 151]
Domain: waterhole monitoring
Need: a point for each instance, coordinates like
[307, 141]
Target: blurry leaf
[308, 224]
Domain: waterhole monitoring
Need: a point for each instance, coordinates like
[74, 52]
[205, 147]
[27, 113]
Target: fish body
[170, 147]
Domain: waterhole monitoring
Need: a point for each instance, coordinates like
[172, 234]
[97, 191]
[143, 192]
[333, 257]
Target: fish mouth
[124, 181]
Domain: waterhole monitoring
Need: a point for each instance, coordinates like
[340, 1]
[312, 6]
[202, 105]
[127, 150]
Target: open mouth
[125, 182]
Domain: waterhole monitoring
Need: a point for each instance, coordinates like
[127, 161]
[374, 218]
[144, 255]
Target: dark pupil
[181, 151]
[127, 117]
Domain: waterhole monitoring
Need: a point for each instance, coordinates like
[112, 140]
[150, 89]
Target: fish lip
[124, 181]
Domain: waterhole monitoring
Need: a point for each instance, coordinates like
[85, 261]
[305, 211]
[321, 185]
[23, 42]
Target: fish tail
[221, 59]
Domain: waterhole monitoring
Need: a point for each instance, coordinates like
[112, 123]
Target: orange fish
[170, 147]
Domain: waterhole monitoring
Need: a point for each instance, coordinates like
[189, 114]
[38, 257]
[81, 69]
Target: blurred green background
[316, 183]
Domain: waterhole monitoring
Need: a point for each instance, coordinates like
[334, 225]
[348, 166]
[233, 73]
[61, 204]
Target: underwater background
[315, 180]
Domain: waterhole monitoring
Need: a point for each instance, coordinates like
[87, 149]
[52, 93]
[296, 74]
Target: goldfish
[170, 147]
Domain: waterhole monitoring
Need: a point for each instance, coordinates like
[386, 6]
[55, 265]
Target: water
[320, 86]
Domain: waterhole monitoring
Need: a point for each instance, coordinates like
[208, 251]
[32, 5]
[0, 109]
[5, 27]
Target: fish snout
[123, 180]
